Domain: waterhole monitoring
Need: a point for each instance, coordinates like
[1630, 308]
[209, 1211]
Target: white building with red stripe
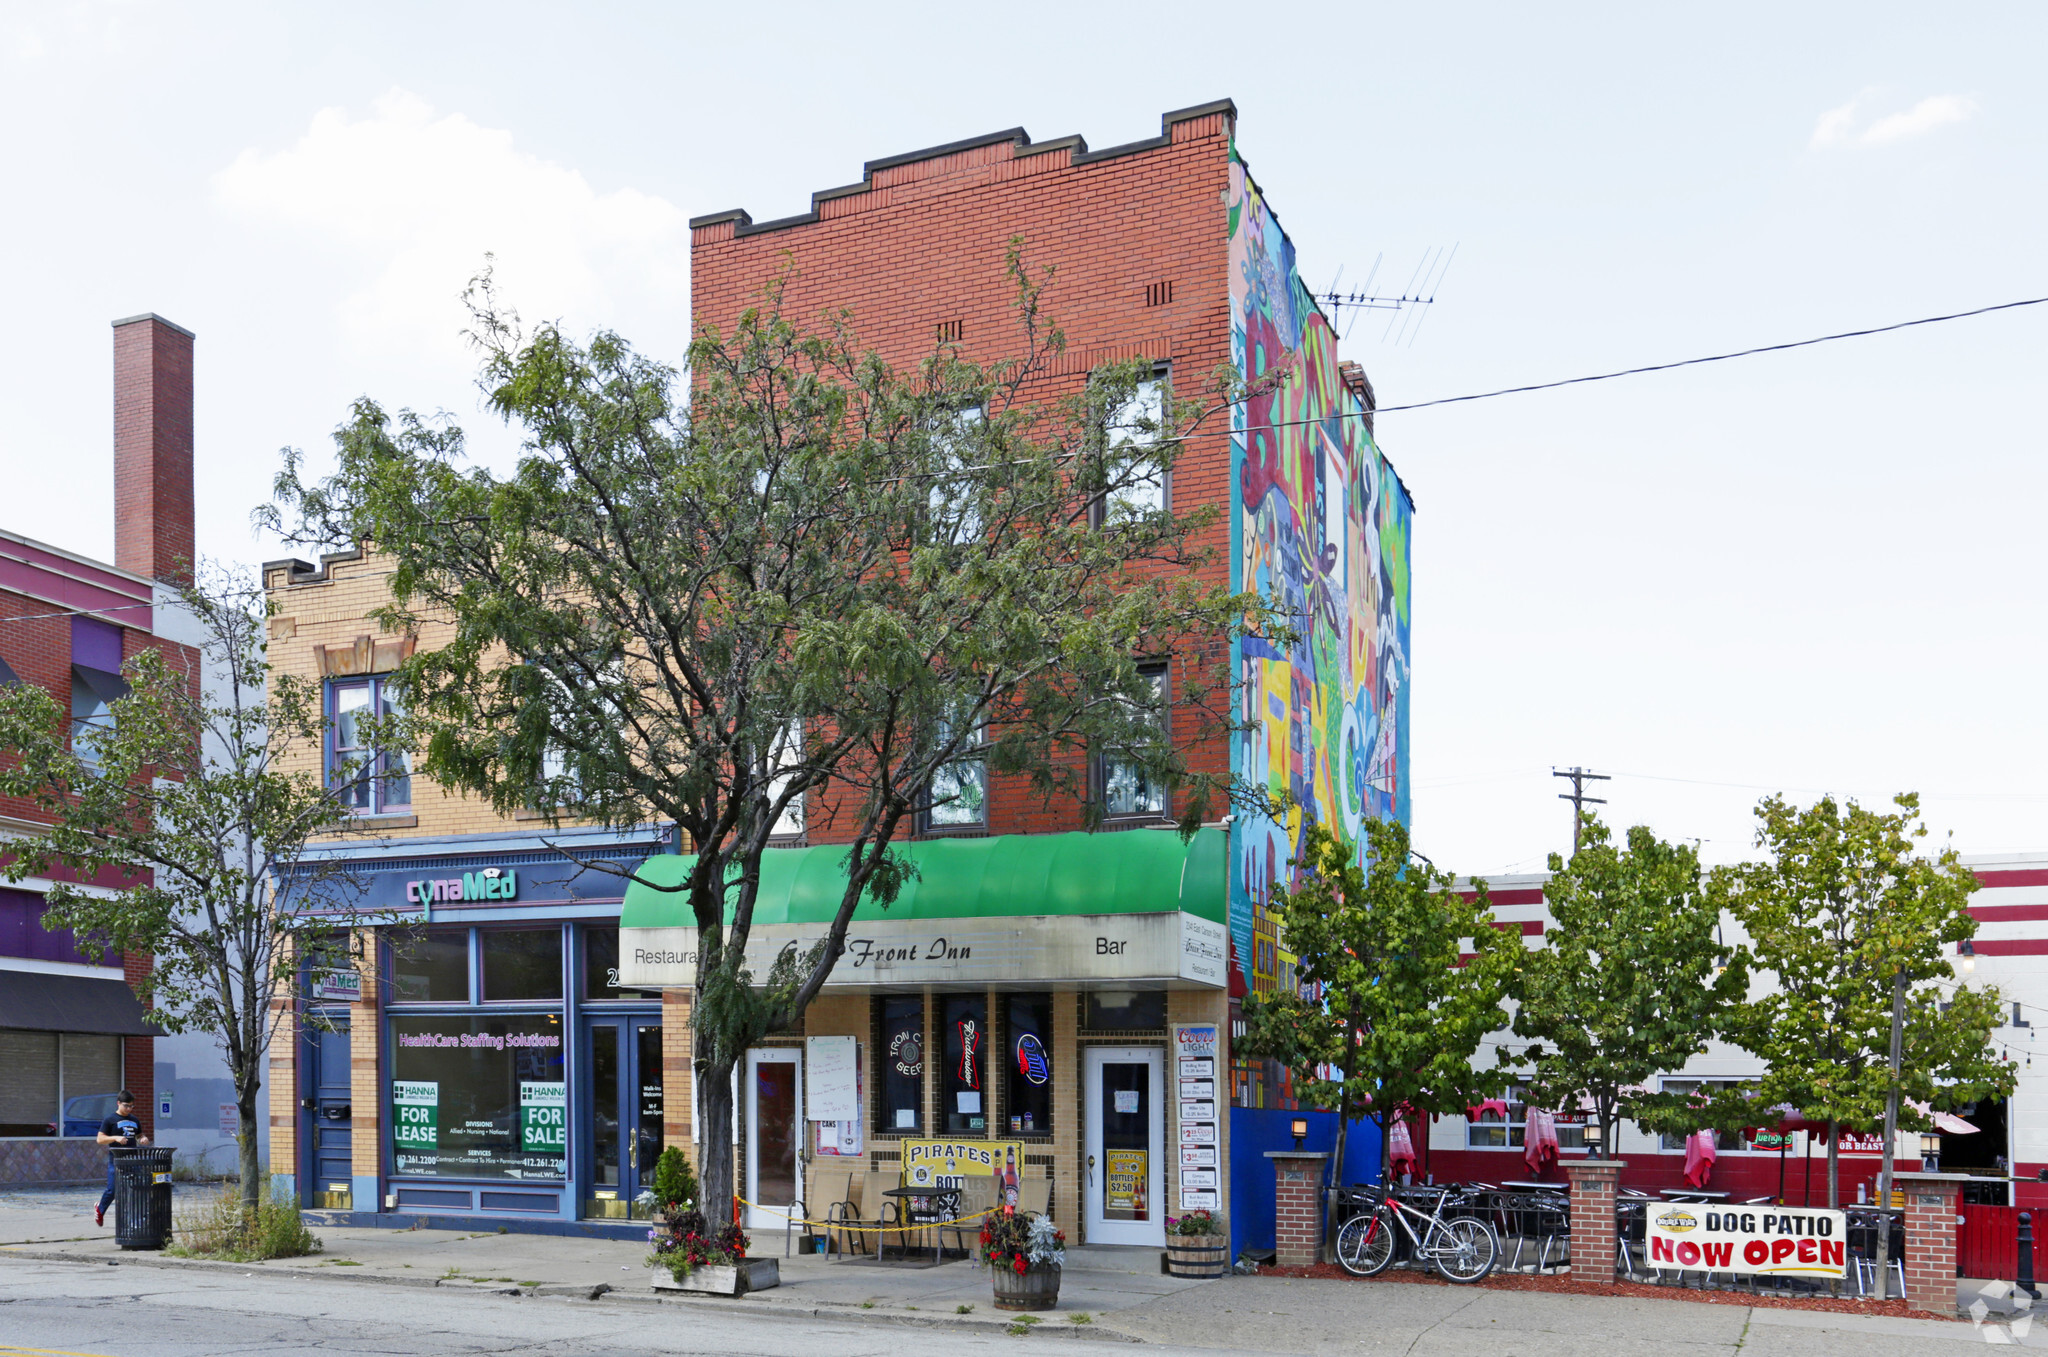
[2010, 951]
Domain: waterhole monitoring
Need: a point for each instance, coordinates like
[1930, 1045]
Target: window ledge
[384, 821]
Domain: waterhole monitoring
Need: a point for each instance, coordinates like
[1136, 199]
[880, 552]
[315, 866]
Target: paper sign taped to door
[1126, 1101]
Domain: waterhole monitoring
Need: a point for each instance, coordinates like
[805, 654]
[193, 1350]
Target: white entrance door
[1123, 1094]
[775, 1105]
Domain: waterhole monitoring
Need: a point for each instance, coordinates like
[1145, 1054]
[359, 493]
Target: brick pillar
[1593, 1191]
[1931, 1238]
[366, 1095]
[677, 1054]
[1297, 1207]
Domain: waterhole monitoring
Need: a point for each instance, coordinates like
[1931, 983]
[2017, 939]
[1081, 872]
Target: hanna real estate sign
[1764, 1241]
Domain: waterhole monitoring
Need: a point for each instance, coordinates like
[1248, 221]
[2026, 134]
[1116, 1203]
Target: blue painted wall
[1254, 1131]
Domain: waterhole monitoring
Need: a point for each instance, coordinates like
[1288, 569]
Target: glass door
[775, 1106]
[1125, 1139]
[623, 1109]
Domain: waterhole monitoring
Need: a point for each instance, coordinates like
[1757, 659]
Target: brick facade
[921, 242]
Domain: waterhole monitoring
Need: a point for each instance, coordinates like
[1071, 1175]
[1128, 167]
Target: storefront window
[430, 968]
[522, 963]
[479, 1097]
[899, 1048]
[964, 1093]
[601, 966]
[1027, 1091]
[1113, 1010]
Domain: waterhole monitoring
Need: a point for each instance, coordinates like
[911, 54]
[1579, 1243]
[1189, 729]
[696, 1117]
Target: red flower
[1019, 1264]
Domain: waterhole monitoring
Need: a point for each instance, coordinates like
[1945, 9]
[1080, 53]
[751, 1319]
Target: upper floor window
[370, 778]
[93, 694]
[785, 755]
[1128, 787]
[959, 789]
[1138, 484]
[956, 491]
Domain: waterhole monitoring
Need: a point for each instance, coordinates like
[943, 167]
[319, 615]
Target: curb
[993, 1322]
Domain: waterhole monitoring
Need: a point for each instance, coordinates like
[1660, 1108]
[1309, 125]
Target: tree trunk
[1834, 1165]
[716, 1187]
[1335, 1185]
[248, 1144]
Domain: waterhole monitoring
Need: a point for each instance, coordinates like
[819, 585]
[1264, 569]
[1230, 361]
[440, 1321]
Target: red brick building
[71, 1030]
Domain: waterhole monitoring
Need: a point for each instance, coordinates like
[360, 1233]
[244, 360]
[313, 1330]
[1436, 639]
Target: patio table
[923, 1206]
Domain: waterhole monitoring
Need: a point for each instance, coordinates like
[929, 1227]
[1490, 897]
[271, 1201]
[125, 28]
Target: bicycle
[1462, 1249]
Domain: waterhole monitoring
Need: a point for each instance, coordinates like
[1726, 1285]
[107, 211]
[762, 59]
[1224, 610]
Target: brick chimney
[1360, 386]
[153, 532]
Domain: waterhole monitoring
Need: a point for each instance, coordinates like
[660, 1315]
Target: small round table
[920, 1206]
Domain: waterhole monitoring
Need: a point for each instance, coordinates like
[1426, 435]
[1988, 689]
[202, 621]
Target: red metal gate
[1987, 1241]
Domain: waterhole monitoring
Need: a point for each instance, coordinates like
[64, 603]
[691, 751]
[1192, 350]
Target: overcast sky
[1819, 570]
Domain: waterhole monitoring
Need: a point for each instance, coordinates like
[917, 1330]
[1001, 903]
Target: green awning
[1137, 871]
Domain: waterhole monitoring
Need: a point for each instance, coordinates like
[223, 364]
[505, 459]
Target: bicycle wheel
[1365, 1244]
[1465, 1250]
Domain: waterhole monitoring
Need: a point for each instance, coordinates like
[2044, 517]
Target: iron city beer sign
[1165, 946]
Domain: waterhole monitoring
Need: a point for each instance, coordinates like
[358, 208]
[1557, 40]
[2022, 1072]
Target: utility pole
[1577, 796]
[1891, 1132]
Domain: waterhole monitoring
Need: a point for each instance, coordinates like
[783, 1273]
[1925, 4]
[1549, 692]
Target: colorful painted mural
[1322, 526]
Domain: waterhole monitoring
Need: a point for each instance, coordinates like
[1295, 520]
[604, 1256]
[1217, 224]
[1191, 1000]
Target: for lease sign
[1775, 1241]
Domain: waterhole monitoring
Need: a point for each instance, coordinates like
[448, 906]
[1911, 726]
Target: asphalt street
[94, 1310]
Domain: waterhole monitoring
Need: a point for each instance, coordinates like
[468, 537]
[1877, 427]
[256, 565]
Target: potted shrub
[1024, 1255]
[689, 1255]
[675, 1183]
[1197, 1245]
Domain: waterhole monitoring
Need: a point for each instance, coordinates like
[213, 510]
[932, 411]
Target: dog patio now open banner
[1771, 1241]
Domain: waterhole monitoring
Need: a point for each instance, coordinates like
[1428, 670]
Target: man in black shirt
[120, 1131]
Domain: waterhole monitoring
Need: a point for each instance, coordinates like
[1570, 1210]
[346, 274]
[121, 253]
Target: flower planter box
[752, 1274]
[1197, 1255]
[1037, 1288]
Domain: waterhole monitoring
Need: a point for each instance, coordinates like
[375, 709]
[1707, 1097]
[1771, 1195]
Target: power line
[1653, 367]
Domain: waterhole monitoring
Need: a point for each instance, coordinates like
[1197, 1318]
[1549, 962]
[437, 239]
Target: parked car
[83, 1115]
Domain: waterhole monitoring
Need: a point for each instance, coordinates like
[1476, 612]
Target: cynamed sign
[346, 986]
[1772, 1241]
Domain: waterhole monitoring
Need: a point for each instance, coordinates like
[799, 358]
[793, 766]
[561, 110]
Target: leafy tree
[1633, 978]
[1385, 1015]
[818, 588]
[186, 782]
[1853, 922]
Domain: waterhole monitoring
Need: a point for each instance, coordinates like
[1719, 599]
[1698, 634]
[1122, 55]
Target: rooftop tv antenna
[1407, 304]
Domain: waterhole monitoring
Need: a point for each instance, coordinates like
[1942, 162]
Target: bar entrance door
[1125, 1126]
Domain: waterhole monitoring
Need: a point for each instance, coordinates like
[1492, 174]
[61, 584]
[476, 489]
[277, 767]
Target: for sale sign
[1770, 1241]
[543, 1118]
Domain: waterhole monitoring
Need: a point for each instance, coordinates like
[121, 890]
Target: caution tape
[872, 1229]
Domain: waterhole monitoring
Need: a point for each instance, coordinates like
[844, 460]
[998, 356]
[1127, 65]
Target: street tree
[790, 585]
[1853, 925]
[1633, 978]
[1389, 1009]
[190, 789]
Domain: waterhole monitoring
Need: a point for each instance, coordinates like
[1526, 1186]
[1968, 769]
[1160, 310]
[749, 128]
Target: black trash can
[142, 1198]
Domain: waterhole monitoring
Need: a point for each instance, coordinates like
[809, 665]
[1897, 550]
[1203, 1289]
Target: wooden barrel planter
[1036, 1288]
[1197, 1255]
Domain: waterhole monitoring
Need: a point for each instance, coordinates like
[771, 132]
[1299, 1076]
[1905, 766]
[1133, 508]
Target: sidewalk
[1098, 1282]
[1120, 1291]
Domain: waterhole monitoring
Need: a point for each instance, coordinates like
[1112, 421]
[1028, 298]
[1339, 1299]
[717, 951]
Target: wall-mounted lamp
[1969, 956]
[1300, 1129]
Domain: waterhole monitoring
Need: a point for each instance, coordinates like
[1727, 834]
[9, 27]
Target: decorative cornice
[1076, 147]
